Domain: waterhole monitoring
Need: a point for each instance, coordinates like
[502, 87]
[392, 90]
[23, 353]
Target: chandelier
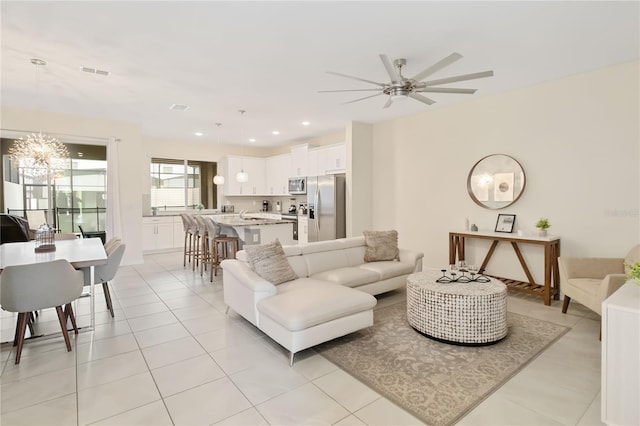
[39, 154]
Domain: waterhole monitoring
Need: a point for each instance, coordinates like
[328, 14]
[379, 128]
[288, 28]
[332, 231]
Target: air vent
[179, 107]
[95, 71]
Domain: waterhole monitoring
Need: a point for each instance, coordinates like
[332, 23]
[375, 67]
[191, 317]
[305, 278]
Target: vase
[542, 232]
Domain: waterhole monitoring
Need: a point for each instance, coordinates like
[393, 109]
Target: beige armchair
[590, 280]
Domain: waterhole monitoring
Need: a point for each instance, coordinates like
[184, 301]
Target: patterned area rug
[436, 382]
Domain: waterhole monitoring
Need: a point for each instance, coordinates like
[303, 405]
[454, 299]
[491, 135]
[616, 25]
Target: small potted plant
[542, 225]
[633, 272]
[200, 207]
[154, 211]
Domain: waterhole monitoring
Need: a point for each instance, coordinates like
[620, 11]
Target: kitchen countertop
[248, 221]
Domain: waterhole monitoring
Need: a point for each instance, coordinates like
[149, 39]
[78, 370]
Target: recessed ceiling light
[198, 133]
[305, 123]
[179, 107]
[275, 132]
[252, 140]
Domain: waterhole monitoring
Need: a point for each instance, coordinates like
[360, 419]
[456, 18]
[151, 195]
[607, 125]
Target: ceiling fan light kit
[400, 87]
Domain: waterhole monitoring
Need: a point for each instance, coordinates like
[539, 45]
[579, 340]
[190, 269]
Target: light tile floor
[172, 356]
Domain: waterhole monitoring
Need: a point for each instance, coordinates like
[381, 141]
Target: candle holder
[45, 239]
[453, 277]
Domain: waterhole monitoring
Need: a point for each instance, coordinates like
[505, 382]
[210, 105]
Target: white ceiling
[271, 58]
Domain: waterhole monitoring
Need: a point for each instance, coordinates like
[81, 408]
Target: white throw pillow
[381, 245]
[270, 262]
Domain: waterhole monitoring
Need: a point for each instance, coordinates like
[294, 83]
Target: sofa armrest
[412, 257]
[590, 267]
[239, 272]
[610, 284]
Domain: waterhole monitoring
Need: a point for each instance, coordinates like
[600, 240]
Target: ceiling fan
[401, 87]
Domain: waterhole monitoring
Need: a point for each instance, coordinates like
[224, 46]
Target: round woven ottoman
[459, 313]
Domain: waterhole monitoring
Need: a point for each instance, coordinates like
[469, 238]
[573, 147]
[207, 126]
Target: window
[181, 184]
[78, 192]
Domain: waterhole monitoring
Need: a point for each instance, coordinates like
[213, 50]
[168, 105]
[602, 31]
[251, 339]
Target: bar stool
[220, 252]
[201, 246]
[187, 226]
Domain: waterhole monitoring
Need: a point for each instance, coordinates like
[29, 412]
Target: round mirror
[496, 181]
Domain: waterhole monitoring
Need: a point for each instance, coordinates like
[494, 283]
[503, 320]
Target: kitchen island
[259, 228]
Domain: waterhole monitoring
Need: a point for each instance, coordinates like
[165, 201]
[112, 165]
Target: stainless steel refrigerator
[326, 207]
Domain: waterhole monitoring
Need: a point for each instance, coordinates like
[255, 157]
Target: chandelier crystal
[39, 154]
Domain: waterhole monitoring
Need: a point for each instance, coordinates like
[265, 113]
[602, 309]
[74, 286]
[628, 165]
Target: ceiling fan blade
[355, 78]
[422, 99]
[459, 78]
[362, 99]
[348, 90]
[388, 103]
[447, 90]
[391, 70]
[437, 66]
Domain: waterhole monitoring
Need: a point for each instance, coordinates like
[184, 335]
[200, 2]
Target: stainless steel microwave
[298, 185]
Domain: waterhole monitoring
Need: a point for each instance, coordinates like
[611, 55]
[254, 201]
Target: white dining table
[80, 253]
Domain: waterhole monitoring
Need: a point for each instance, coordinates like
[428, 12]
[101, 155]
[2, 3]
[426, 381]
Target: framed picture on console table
[505, 223]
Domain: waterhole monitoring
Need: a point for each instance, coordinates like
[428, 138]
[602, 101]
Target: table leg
[548, 251]
[494, 244]
[556, 273]
[452, 248]
[92, 297]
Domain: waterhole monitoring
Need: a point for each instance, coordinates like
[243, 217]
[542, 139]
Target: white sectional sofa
[332, 297]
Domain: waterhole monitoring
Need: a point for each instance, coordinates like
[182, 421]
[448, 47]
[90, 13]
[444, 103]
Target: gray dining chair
[105, 273]
[28, 288]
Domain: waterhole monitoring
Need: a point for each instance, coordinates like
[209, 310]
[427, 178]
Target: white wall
[359, 191]
[577, 139]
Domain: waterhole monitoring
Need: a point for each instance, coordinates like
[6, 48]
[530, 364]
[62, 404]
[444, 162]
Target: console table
[551, 245]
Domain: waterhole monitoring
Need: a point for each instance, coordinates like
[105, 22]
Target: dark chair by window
[13, 229]
[92, 234]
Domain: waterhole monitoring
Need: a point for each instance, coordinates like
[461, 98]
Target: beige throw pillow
[381, 245]
[270, 262]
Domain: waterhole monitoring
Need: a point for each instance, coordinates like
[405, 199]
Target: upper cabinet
[270, 176]
[335, 160]
[255, 169]
[325, 160]
[299, 163]
[277, 179]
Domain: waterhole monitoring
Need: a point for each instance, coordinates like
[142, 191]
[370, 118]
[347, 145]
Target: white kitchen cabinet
[299, 161]
[303, 230]
[312, 162]
[257, 171]
[157, 233]
[330, 159]
[254, 167]
[336, 159]
[277, 174]
[620, 359]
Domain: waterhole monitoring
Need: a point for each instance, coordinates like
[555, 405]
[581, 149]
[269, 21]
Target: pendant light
[218, 179]
[40, 154]
[242, 176]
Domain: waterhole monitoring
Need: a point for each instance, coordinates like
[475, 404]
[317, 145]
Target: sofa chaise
[332, 295]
